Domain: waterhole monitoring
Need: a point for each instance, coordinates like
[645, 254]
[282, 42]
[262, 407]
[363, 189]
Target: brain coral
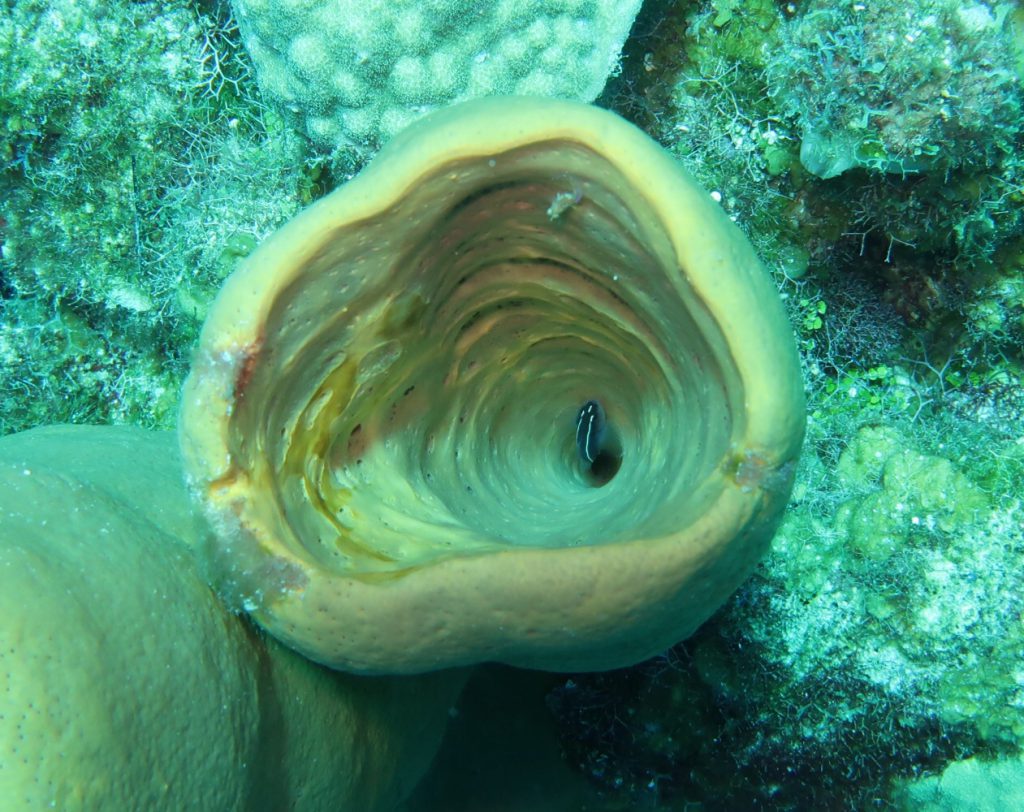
[358, 72]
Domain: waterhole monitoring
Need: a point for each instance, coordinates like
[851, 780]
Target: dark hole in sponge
[607, 461]
[604, 467]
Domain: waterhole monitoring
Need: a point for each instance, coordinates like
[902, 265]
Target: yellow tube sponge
[125, 684]
[389, 421]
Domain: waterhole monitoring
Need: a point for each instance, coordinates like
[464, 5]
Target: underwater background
[872, 152]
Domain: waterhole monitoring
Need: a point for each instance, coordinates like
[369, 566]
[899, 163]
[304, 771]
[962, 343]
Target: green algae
[134, 150]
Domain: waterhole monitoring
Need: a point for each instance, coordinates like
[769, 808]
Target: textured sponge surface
[125, 684]
[356, 72]
[106, 674]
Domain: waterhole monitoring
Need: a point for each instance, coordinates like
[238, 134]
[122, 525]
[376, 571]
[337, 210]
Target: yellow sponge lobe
[124, 683]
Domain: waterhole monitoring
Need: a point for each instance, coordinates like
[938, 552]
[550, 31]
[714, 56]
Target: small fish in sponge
[380, 423]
